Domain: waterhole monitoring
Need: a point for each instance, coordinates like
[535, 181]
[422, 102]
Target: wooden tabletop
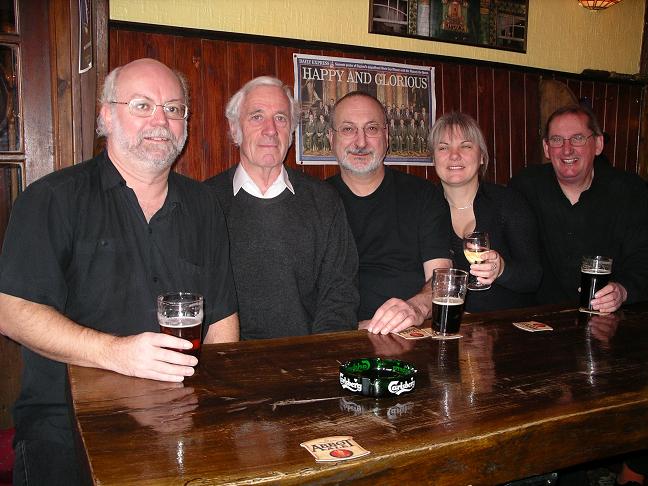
[498, 404]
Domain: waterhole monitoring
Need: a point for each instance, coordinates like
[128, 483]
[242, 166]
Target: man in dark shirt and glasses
[88, 249]
[585, 207]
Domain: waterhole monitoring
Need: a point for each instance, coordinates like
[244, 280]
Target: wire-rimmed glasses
[371, 130]
[144, 108]
[579, 140]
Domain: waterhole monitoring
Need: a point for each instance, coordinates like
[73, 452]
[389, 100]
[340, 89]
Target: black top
[513, 234]
[402, 224]
[609, 219]
[294, 260]
[78, 241]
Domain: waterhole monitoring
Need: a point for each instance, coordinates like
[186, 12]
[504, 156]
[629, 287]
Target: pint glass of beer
[180, 314]
[449, 287]
[595, 274]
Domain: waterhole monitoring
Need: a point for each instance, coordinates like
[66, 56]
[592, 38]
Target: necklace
[460, 208]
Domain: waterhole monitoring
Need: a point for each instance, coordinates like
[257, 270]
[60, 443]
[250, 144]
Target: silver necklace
[470, 204]
[460, 208]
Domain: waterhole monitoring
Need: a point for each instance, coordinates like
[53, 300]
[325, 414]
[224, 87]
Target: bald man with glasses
[400, 222]
[87, 251]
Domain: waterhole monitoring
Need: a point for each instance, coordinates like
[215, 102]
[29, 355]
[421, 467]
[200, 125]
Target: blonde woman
[512, 267]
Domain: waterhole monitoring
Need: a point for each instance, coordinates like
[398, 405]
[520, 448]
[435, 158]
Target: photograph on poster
[496, 24]
[406, 91]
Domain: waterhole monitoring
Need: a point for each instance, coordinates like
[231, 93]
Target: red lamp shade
[597, 4]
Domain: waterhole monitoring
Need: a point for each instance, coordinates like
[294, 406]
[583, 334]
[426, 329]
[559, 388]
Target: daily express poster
[406, 92]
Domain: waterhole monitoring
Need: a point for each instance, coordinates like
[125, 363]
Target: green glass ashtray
[377, 377]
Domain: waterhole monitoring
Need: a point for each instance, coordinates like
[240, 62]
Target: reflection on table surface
[498, 404]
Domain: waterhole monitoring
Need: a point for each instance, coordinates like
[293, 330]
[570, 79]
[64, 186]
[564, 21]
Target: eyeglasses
[142, 107]
[579, 140]
[371, 130]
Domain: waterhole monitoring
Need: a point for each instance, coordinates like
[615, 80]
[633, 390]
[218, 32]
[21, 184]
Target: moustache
[157, 132]
[359, 151]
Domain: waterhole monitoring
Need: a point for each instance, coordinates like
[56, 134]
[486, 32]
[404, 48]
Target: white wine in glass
[475, 245]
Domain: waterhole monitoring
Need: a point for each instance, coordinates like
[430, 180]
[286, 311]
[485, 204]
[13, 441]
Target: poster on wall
[406, 91]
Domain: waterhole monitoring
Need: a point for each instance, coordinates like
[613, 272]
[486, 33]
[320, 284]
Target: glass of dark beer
[449, 287]
[180, 314]
[595, 274]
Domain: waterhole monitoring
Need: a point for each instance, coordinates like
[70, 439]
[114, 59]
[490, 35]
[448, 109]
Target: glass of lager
[180, 314]
[475, 245]
[449, 287]
[595, 274]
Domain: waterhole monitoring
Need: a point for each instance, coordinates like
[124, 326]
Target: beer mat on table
[532, 326]
[441, 337]
[414, 332]
[591, 311]
[335, 448]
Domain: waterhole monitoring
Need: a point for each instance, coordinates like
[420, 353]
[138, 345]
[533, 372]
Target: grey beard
[370, 167]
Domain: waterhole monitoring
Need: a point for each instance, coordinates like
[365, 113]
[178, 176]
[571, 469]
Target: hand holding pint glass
[180, 314]
[449, 287]
[595, 274]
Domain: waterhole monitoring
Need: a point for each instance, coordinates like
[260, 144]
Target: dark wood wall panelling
[504, 99]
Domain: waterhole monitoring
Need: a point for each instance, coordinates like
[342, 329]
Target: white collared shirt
[242, 180]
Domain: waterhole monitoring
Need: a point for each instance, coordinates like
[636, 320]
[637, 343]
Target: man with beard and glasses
[400, 222]
[293, 257]
[87, 251]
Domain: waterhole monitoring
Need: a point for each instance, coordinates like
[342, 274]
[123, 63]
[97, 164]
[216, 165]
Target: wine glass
[475, 245]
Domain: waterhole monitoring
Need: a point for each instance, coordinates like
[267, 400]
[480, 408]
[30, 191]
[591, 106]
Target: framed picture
[496, 24]
[406, 92]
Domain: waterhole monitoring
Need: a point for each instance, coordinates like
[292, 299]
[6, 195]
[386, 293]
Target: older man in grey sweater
[293, 254]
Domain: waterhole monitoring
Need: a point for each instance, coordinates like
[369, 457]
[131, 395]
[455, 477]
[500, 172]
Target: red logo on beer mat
[341, 453]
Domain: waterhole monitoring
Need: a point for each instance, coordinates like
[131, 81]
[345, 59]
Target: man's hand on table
[393, 316]
[146, 356]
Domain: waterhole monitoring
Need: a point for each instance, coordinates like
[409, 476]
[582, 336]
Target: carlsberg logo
[350, 385]
[397, 388]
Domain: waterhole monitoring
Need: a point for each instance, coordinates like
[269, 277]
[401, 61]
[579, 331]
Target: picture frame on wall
[495, 24]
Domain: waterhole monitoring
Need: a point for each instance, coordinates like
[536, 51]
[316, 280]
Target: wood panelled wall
[504, 99]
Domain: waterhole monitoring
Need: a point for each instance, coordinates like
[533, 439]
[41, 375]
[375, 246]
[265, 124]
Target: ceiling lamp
[597, 4]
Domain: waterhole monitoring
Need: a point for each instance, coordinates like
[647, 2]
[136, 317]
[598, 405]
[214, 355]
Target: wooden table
[496, 405]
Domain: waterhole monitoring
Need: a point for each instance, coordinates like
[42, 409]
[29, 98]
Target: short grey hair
[109, 91]
[234, 105]
[468, 127]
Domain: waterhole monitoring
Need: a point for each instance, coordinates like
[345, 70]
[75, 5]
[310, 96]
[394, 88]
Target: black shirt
[608, 219]
[513, 234]
[78, 241]
[401, 225]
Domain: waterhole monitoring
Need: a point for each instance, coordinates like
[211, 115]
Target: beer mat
[335, 448]
[591, 311]
[414, 332]
[441, 337]
[532, 326]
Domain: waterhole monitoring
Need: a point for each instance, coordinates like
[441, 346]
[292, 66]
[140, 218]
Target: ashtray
[377, 377]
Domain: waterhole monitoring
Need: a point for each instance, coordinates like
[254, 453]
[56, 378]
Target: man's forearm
[423, 301]
[49, 333]
[224, 331]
